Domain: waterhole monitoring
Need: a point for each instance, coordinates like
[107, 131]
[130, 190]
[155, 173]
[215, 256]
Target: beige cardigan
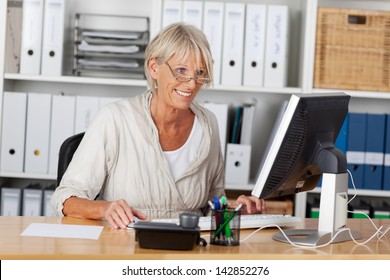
[121, 151]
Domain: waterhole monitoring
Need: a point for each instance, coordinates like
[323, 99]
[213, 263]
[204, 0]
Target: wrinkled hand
[251, 204]
[119, 214]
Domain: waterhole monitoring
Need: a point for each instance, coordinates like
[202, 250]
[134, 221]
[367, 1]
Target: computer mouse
[189, 220]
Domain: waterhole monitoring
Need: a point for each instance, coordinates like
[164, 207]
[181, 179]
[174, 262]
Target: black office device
[302, 151]
[169, 236]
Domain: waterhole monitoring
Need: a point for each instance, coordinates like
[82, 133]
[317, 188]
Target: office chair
[67, 149]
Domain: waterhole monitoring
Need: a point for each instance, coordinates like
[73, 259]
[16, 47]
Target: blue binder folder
[386, 171]
[375, 144]
[342, 138]
[356, 145]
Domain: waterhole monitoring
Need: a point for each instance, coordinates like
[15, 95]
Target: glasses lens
[183, 78]
[203, 81]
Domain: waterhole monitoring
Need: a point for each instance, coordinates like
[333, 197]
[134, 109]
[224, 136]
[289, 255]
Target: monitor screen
[303, 150]
[310, 123]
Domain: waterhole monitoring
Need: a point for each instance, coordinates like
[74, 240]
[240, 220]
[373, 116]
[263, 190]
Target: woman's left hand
[251, 204]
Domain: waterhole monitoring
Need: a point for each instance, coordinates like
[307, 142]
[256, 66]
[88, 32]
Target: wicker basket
[352, 50]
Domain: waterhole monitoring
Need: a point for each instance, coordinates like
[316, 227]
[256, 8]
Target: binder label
[355, 157]
[387, 160]
[374, 158]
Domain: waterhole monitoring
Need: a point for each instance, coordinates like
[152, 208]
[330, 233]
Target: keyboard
[247, 221]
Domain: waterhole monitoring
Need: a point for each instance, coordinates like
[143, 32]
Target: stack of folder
[30, 200]
[365, 139]
[42, 40]
[36, 124]
[235, 133]
[110, 46]
[249, 42]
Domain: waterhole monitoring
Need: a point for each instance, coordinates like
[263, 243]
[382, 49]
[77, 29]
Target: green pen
[228, 232]
[227, 221]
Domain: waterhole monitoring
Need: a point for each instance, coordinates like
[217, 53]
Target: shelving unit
[300, 73]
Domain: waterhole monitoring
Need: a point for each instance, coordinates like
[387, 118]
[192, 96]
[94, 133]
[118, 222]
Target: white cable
[378, 233]
[315, 246]
[365, 214]
[353, 185]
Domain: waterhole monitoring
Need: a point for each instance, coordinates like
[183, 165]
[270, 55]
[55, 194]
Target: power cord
[378, 230]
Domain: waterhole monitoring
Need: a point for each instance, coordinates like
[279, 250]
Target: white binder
[31, 52]
[193, 13]
[53, 37]
[220, 111]
[237, 166]
[254, 44]
[47, 208]
[11, 201]
[233, 44]
[86, 110]
[247, 124]
[213, 29]
[13, 131]
[32, 201]
[172, 12]
[276, 53]
[62, 126]
[37, 133]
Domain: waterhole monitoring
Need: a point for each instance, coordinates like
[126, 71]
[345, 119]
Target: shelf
[134, 82]
[239, 187]
[359, 94]
[76, 80]
[28, 176]
[285, 90]
[301, 67]
[361, 192]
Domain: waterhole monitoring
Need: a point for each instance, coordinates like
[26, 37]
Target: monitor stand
[332, 219]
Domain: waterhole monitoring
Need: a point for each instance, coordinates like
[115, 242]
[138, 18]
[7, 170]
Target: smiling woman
[157, 154]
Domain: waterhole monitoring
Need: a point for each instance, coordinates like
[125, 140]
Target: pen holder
[225, 227]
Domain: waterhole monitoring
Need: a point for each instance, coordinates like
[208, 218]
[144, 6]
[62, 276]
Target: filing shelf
[300, 79]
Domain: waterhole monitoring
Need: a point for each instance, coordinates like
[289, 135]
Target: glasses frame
[186, 79]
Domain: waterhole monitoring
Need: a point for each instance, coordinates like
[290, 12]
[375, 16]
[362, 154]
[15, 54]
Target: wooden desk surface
[120, 244]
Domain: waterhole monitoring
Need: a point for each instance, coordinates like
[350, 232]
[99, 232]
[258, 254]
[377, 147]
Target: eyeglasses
[185, 79]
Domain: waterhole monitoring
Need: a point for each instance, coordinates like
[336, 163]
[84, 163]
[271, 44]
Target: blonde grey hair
[178, 39]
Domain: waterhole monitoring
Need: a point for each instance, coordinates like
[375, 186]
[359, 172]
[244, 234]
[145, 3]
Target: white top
[120, 157]
[180, 159]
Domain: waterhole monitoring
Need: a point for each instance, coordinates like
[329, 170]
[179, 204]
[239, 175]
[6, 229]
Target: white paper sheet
[84, 46]
[62, 231]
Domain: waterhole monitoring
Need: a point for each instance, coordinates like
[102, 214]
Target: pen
[224, 214]
[211, 204]
[218, 231]
[226, 231]
[217, 206]
[224, 202]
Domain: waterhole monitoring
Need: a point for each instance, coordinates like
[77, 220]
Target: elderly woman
[157, 154]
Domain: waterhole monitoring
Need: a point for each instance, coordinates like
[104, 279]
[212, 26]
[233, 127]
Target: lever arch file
[13, 131]
[233, 44]
[31, 50]
[276, 53]
[53, 37]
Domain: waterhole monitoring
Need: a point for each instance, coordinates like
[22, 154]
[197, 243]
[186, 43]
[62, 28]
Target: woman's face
[174, 87]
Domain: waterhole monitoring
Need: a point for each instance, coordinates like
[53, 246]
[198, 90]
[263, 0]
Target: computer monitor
[301, 152]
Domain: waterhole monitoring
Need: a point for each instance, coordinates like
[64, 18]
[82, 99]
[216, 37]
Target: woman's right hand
[119, 214]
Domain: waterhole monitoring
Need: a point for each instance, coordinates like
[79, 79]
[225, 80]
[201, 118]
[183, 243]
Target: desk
[120, 244]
